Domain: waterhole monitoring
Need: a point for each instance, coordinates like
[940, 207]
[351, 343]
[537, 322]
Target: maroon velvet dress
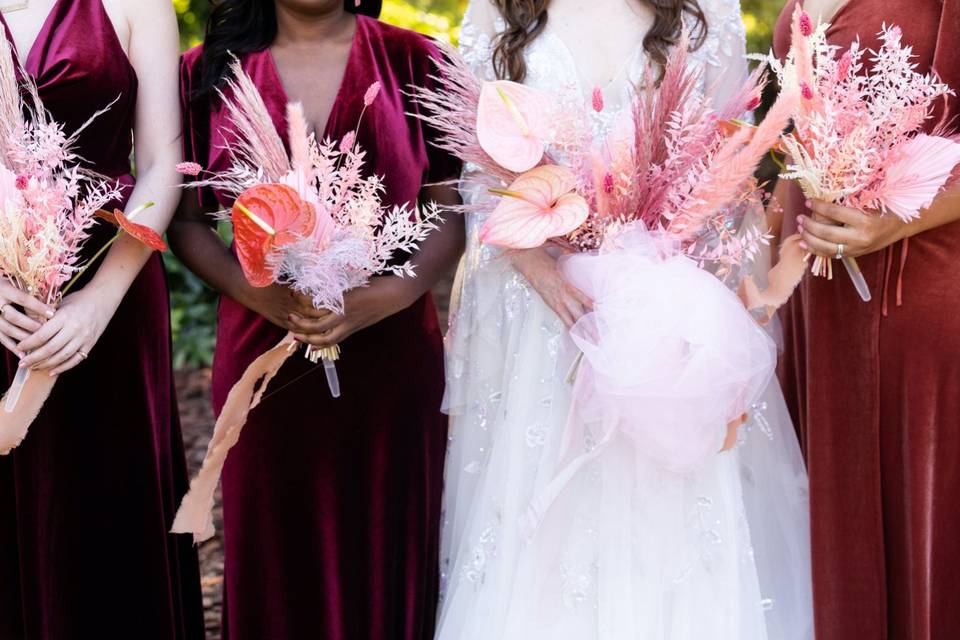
[875, 392]
[89, 496]
[332, 506]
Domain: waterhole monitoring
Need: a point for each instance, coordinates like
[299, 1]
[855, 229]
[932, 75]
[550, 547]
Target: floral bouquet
[48, 205]
[653, 219]
[309, 220]
[858, 139]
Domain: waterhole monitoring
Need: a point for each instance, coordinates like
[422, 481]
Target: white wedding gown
[627, 550]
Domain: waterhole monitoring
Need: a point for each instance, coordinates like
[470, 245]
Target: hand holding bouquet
[858, 139]
[650, 215]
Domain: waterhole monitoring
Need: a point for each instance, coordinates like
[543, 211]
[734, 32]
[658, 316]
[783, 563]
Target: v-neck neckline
[44, 28]
[338, 98]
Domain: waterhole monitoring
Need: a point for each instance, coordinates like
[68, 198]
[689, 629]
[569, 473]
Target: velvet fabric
[332, 506]
[876, 396]
[89, 496]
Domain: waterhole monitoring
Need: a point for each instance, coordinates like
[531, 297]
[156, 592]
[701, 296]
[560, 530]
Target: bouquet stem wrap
[21, 406]
[670, 358]
[195, 514]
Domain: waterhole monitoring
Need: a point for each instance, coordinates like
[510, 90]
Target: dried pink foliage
[355, 236]
[47, 201]
[855, 142]
[657, 172]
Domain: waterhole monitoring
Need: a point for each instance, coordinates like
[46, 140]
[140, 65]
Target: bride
[626, 550]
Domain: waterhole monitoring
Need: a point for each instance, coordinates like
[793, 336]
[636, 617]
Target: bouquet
[48, 206]
[654, 219]
[309, 220]
[858, 136]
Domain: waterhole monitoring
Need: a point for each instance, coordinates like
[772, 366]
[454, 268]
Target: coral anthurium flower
[265, 217]
[539, 205]
[513, 124]
[106, 216]
[140, 232]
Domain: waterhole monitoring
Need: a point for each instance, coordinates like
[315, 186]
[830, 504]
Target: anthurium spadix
[513, 124]
[541, 204]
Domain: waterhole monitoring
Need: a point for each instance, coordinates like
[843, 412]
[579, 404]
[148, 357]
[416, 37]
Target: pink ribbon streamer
[195, 514]
[14, 425]
[782, 280]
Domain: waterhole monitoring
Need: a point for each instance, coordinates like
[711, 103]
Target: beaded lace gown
[627, 550]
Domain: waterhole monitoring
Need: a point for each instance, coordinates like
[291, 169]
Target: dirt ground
[196, 416]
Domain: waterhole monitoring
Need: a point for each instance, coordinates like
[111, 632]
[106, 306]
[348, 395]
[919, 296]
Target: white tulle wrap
[670, 354]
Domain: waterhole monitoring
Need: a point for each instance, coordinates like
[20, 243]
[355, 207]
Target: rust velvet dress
[332, 506]
[89, 497]
[875, 391]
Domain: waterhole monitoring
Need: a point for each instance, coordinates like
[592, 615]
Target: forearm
[127, 256]
[201, 249]
[944, 210]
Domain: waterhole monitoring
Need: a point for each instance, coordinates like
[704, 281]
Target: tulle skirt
[627, 548]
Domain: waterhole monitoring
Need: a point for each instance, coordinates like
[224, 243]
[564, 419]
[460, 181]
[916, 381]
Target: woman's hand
[281, 305]
[541, 271]
[860, 233]
[66, 339]
[15, 325]
[363, 307]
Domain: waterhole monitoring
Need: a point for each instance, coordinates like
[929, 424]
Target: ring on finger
[83, 354]
[3, 309]
[840, 248]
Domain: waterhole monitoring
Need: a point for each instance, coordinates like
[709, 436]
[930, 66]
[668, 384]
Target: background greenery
[194, 306]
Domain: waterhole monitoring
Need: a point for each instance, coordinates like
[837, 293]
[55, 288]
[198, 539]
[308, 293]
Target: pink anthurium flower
[539, 205]
[513, 124]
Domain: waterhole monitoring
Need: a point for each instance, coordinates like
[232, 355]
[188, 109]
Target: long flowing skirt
[627, 550]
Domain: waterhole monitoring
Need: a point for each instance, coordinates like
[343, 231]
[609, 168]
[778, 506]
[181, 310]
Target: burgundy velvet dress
[89, 496]
[332, 506]
[875, 392]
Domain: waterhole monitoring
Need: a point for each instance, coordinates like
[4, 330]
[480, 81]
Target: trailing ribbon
[781, 281]
[195, 514]
[15, 423]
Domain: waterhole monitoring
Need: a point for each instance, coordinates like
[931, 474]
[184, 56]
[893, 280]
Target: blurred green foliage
[193, 305]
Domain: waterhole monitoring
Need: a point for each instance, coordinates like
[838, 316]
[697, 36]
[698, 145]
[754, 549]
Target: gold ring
[3, 309]
[83, 354]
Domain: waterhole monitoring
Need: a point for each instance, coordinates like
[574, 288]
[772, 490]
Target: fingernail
[21, 355]
[803, 245]
[809, 204]
[49, 313]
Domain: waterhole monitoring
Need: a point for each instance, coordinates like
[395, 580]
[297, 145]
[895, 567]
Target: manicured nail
[809, 204]
[49, 313]
[803, 245]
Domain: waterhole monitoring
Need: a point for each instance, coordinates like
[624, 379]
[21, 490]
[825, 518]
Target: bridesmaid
[875, 387]
[89, 496]
[331, 506]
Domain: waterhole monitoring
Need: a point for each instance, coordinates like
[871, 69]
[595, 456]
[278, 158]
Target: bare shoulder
[158, 14]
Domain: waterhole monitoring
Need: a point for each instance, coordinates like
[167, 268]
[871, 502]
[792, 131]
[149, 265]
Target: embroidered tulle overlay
[628, 550]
